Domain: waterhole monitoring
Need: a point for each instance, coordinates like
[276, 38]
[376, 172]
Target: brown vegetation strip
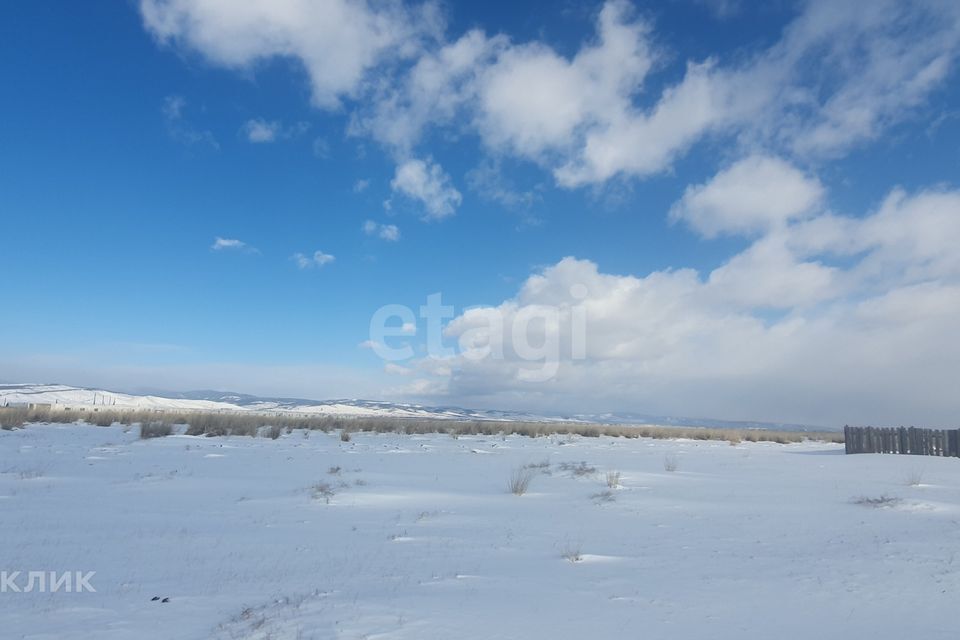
[250, 424]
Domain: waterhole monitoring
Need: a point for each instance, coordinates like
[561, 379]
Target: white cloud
[756, 194]
[865, 329]
[388, 232]
[179, 128]
[488, 180]
[321, 148]
[396, 369]
[436, 90]
[231, 244]
[532, 100]
[318, 259]
[336, 41]
[259, 130]
[426, 182]
[722, 9]
[360, 186]
[840, 74]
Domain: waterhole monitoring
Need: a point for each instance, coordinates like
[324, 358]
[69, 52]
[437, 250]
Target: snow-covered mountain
[68, 396]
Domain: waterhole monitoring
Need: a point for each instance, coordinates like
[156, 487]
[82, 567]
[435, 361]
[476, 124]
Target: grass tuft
[613, 479]
[150, 430]
[572, 553]
[578, 469]
[323, 491]
[877, 503]
[914, 479]
[520, 480]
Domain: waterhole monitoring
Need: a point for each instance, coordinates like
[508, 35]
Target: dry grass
[155, 430]
[604, 496]
[274, 432]
[249, 424]
[322, 491]
[578, 470]
[13, 418]
[520, 480]
[914, 479]
[613, 479]
[877, 503]
[572, 553]
[671, 464]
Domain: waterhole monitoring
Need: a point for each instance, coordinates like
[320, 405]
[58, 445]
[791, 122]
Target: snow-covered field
[420, 538]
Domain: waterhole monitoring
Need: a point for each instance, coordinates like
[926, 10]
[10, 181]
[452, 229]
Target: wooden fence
[912, 441]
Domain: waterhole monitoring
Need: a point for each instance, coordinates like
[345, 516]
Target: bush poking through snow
[604, 496]
[878, 503]
[322, 491]
[344, 435]
[543, 466]
[670, 464]
[578, 470]
[613, 479]
[914, 479]
[103, 419]
[572, 553]
[274, 432]
[13, 418]
[154, 430]
[520, 480]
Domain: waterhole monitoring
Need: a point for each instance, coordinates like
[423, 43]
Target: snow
[77, 397]
[422, 540]
[81, 398]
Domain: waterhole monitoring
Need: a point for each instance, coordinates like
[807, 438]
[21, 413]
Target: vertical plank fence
[905, 440]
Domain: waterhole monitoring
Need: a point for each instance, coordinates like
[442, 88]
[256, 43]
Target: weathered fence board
[912, 441]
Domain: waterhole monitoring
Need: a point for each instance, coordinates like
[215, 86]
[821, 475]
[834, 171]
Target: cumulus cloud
[260, 131]
[441, 86]
[388, 232]
[426, 182]
[337, 41]
[231, 244]
[533, 100]
[841, 74]
[756, 194]
[318, 259]
[863, 328]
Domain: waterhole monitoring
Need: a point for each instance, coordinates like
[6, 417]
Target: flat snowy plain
[421, 539]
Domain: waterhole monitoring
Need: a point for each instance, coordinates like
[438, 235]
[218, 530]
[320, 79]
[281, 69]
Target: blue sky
[717, 173]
